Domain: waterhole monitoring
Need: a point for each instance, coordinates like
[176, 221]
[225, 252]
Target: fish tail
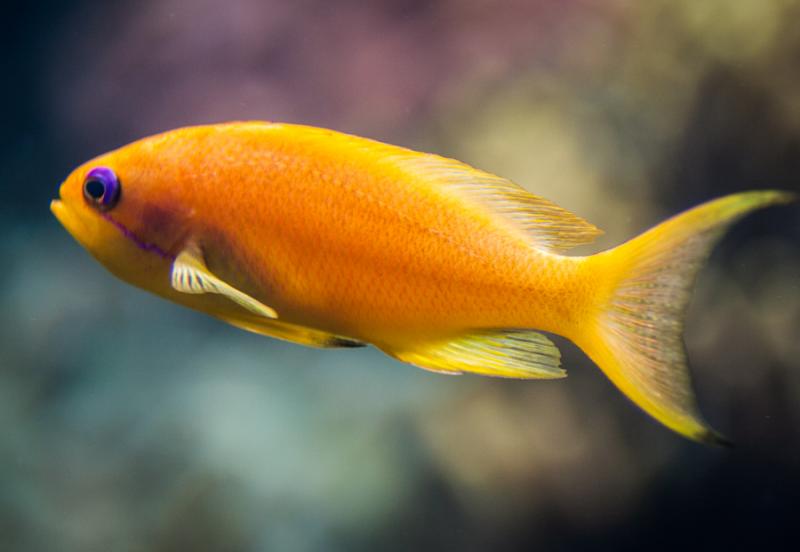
[636, 320]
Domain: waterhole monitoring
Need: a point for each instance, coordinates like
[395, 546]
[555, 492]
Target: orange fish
[331, 240]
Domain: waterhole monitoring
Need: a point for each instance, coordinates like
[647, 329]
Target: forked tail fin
[636, 331]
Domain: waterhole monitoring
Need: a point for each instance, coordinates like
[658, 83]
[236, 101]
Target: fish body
[314, 224]
[330, 240]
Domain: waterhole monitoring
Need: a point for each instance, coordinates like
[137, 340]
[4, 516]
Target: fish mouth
[70, 220]
[61, 212]
[57, 208]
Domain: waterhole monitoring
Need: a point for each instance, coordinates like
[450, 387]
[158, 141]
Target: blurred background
[127, 423]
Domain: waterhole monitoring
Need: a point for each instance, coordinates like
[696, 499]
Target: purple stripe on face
[146, 246]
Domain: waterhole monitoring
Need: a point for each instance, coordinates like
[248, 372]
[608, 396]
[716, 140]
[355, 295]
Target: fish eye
[101, 188]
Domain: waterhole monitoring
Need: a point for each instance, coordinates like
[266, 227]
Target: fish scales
[331, 240]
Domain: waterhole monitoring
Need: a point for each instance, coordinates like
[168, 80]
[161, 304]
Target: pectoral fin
[191, 275]
[501, 353]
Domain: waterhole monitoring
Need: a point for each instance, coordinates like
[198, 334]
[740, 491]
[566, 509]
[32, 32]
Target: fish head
[123, 207]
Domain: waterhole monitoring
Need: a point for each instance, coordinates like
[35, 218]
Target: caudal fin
[644, 289]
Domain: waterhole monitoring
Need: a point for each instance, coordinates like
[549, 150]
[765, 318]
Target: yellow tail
[635, 335]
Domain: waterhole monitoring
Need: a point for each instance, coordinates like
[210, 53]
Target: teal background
[127, 423]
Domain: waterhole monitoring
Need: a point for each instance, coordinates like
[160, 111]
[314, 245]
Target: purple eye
[101, 188]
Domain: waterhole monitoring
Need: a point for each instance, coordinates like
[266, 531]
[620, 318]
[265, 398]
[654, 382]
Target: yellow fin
[519, 354]
[546, 225]
[645, 285]
[293, 333]
[190, 275]
[549, 226]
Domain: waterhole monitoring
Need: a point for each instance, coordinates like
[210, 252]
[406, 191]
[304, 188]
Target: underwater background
[128, 423]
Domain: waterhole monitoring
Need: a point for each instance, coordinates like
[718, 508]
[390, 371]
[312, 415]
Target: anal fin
[521, 354]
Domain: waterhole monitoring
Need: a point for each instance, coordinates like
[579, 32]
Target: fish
[331, 240]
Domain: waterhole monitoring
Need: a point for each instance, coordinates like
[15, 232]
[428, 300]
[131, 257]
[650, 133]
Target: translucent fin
[190, 275]
[549, 226]
[291, 332]
[503, 353]
[637, 336]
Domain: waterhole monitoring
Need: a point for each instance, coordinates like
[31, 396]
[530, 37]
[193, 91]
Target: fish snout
[70, 220]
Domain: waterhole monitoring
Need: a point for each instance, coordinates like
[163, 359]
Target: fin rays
[520, 354]
[637, 339]
[549, 226]
[190, 275]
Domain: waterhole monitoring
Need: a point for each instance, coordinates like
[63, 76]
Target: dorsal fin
[549, 226]
[546, 225]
